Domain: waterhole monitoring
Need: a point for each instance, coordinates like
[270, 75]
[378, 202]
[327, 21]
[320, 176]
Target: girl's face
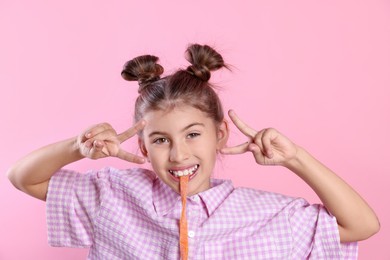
[183, 140]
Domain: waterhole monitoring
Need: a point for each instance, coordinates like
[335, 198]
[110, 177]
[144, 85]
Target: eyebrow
[184, 129]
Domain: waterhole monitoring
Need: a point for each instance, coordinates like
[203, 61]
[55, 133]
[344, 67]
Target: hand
[102, 141]
[268, 146]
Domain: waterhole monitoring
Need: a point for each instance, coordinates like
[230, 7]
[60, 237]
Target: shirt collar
[165, 199]
[216, 195]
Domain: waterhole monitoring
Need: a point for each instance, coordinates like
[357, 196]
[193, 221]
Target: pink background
[319, 71]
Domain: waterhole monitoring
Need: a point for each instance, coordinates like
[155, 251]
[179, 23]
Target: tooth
[189, 171]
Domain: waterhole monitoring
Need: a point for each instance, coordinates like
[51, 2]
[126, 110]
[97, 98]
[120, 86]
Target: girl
[135, 213]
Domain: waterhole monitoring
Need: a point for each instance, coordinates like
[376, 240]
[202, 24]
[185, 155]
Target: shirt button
[196, 198]
[191, 234]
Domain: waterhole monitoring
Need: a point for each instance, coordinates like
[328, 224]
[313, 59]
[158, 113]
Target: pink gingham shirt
[131, 214]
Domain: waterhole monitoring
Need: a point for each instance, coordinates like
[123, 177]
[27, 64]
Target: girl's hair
[189, 86]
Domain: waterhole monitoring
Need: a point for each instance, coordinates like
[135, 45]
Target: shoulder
[260, 195]
[265, 200]
[106, 177]
[123, 178]
[133, 173]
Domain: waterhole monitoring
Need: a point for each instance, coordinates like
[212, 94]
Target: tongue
[183, 218]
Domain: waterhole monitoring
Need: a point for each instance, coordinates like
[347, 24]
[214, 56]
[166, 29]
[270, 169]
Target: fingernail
[139, 160]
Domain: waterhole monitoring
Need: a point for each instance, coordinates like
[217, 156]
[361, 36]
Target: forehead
[175, 119]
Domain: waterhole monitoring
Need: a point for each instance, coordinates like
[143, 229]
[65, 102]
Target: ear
[142, 147]
[222, 134]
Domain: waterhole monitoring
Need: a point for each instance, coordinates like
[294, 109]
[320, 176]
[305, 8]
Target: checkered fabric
[131, 214]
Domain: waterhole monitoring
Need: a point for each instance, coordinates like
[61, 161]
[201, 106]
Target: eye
[160, 140]
[192, 135]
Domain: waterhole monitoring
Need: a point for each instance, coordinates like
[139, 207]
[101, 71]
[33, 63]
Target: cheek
[157, 164]
[157, 156]
[209, 144]
[207, 150]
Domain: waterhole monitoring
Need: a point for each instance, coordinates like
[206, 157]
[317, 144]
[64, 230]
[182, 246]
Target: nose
[179, 152]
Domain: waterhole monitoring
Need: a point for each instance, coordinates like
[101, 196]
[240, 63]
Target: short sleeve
[316, 235]
[72, 205]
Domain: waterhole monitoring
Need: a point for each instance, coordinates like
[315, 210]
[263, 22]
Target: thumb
[254, 148]
[256, 151]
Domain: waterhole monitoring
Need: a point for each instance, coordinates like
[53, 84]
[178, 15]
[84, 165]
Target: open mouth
[190, 171]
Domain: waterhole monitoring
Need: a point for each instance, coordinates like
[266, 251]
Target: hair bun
[203, 59]
[143, 69]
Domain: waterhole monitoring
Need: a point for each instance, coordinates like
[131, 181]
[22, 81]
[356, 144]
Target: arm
[32, 173]
[356, 220]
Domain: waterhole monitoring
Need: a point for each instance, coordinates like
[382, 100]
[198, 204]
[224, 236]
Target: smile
[189, 171]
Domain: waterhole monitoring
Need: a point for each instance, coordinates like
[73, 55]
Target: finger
[262, 140]
[106, 135]
[244, 128]
[96, 149]
[131, 131]
[238, 149]
[267, 138]
[257, 153]
[89, 143]
[95, 130]
[99, 146]
[130, 157]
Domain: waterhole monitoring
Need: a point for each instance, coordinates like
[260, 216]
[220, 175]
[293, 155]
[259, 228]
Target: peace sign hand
[102, 141]
[268, 146]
